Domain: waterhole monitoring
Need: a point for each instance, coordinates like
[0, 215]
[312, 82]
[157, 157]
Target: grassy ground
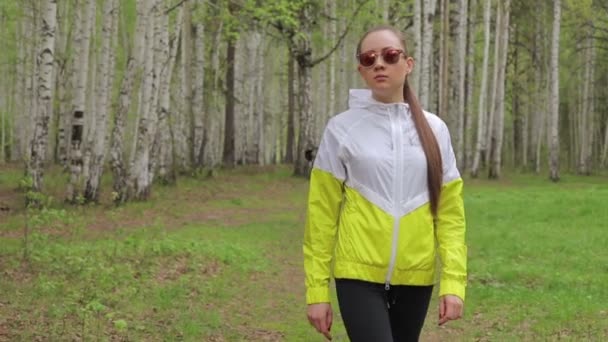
[220, 260]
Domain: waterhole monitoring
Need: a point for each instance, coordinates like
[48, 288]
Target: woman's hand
[321, 316]
[450, 308]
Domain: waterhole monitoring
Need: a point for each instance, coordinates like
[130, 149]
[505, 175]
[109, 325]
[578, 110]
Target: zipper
[397, 183]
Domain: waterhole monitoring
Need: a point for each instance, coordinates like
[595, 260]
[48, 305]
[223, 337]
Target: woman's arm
[323, 210]
[450, 225]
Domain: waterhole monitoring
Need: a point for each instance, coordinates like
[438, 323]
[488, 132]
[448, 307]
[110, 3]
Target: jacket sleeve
[323, 209]
[450, 224]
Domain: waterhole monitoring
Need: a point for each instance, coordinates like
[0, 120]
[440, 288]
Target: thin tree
[45, 61]
[498, 128]
[480, 146]
[81, 64]
[554, 95]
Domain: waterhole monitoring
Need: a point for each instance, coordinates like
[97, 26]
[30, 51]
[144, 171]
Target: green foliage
[536, 265]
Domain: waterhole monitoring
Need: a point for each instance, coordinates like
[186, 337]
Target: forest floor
[220, 259]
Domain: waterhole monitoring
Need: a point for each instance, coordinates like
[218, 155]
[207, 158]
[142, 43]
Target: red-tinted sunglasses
[369, 58]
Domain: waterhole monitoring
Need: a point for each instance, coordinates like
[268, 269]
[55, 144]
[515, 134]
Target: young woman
[385, 198]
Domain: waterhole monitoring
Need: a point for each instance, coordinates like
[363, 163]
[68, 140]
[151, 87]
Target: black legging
[371, 313]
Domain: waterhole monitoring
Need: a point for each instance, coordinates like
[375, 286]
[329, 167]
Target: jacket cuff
[317, 295]
[451, 287]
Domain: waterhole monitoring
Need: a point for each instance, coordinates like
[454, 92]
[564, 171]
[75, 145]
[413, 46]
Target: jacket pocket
[416, 247]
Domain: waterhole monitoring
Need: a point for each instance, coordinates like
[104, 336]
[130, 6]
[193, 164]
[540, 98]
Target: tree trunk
[35, 168]
[291, 111]
[470, 86]
[198, 112]
[62, 78]
[229, 157]
[540, 119]
[481, 145]
[187, 74]
[166, 170]
[303, 57]
[585, 132]
[134, 60]
[140, 182]
[81, 70]
[461, 77]
[518, 116]
[554, 95]
[417, 40]
[257, 147]
[498, 129]
[427, 53]
[444, 57]
[91, 193]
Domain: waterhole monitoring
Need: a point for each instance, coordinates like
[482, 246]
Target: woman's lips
[381, 77]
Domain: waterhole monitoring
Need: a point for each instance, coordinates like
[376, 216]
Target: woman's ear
[409, 62]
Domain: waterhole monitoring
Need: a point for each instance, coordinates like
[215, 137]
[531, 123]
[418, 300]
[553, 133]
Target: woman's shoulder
[343, 122]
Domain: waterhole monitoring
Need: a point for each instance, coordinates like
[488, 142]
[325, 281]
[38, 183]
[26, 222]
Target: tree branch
[346, 30]
[175, 6]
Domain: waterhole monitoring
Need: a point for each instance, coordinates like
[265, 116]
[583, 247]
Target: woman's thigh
[364, 310]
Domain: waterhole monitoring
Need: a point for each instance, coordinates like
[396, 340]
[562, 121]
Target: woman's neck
[389, 98]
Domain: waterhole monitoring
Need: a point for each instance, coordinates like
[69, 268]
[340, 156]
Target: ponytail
[429, 144]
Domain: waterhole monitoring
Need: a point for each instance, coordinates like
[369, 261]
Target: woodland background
[149, 90]
[148, 148]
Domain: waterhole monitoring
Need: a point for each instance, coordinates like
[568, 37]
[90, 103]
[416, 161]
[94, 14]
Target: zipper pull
[387, 287]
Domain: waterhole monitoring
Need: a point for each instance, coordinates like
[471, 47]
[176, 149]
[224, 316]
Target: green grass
[220, 260]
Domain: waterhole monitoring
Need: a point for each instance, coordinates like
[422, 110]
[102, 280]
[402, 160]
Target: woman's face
[383, 78]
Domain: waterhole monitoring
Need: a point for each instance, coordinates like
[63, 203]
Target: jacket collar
[362, 99]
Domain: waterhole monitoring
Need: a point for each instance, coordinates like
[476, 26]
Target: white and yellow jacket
[368, 205]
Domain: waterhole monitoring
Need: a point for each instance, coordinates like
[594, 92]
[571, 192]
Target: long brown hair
[425, 134]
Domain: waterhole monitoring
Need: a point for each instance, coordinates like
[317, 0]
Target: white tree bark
[31, 73]
[186, 87]
[470, 86]
[69, 29]
[305, 139]
[498, 128]
[81, 71]
[417, 40]
[103, 99]
[198, 90]
[140, 176]
[461, 78]
[554, 95]
[134, 61]
[213, 125]
[604, 157]
[480, 146]
[166, 172]
[427, 53]
[586, 132]
[540, 119]
[20, 136]
[444, 74]
[45, 62]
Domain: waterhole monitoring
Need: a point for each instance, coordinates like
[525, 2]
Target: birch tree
[480, 146]
[554, 95]
[81, 71]
[103, 99]
[140, 180]
[585, 127]
[45, 61]
[132, 68]
[461, 66]
[499, 104]
[426, 56]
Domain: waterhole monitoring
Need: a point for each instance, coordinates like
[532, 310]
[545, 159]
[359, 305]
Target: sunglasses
[369, 58]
